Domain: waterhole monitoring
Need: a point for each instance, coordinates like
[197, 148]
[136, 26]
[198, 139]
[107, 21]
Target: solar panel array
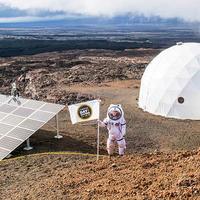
[19, 119]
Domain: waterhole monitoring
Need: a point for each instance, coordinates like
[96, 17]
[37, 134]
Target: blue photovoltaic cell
[49, 107]
[3, 153]
[16, 102]
[2, 115]
[31, 124]
[40, 116]
[9, 143]
[7, 108]
[5, 128]
[20, 133]
[13, 120]
[33, 104]
[23, 112]
[4, 98]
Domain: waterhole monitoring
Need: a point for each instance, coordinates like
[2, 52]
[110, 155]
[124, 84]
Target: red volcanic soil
[147, 176]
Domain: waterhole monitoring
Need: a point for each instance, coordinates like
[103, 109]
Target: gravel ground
[147, 176]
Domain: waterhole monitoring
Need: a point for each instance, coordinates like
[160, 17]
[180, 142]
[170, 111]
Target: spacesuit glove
[100, 123]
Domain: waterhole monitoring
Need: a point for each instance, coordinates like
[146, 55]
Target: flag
[85, 111]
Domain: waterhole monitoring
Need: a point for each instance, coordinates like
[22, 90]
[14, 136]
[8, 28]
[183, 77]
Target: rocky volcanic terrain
[45, 76]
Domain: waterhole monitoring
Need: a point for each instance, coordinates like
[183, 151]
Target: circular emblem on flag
[84, 112]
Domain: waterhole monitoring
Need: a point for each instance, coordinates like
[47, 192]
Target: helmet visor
[115, 113]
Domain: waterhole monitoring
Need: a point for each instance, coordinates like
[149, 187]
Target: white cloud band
[188, 10]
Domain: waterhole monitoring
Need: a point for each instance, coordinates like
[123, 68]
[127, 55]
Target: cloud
[185, 9]
[29, 19]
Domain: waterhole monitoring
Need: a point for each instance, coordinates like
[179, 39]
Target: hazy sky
[186, 9]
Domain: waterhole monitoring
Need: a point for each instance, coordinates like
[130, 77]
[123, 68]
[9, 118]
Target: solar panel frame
[26, 122]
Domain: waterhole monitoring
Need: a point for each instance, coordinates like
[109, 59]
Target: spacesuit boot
[121, 147]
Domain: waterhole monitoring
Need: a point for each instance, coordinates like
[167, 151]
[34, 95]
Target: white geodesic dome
[170, 86]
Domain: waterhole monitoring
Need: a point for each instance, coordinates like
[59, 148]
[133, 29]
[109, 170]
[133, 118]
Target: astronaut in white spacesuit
[116, 125]
[14, 90]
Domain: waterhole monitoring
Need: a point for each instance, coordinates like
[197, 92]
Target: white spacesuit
[14, 90]
[116, 126]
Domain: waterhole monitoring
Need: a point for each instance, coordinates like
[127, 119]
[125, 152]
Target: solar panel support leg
[9, 156]
[58, 136]
[28, 146]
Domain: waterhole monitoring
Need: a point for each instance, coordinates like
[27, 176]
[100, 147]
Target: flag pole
[98, 142]
[98, 130]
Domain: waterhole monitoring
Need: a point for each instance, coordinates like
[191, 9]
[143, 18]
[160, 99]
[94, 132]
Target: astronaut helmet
[115, 112]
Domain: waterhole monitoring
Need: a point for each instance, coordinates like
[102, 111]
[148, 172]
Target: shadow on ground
[44, 141]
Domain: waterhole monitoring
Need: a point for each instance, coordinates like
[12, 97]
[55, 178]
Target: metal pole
[28, 146]
[58, 136]
[98, 134]
[98, 142]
